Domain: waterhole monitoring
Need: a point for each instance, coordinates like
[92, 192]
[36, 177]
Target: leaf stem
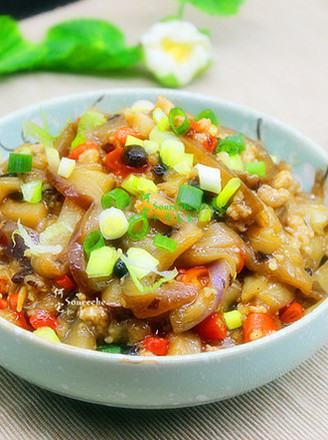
[181, 9]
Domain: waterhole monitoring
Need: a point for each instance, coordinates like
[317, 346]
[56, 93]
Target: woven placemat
[292, 407]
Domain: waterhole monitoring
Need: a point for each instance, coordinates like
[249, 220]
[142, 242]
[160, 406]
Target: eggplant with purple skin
[208, 300]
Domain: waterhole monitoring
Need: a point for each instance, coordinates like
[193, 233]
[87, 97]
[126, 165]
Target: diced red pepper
[198, 276]
[158, 346]
[210, 143]
[66, 282]
[194, 126]
[20, 320]
[212, 328]
[241, 264]
[3, 304]
[114, 163]
[290, 313]
[257, 325]
[119, 137]
[76, 153]
[13, 300]
[42, 318]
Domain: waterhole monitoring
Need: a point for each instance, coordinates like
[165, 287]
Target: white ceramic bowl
[165, 382]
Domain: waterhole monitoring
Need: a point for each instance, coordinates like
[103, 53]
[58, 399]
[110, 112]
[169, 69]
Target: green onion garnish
[209, 178]
[19, 163]
[182, 128]
[47, 333]
[256, 168]
[205, 213]
[118, 198]
[89, 120]
[113, 223]
[66, 167]
[190, 197]
[208, 114]
[101, 262]
[233, 319]
[138, 226]
[236, 163]
[32, 191]
[137, 185]
[131, 140]
[93, 241]
[165, 243]
[225, 195]
[111, 348]
[161, 119]
[234, 144]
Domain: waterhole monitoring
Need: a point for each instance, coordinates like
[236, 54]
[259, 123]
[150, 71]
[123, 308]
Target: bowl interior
[279, 139]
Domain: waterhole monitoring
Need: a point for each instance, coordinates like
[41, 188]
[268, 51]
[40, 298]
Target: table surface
[273, 57]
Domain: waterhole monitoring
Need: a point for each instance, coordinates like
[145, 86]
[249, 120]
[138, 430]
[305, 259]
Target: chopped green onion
[160, 136]
[209, 178]
[228, 191]
[111, 348]
[138, 185]
[138, 226]
[25, 150]
[224, 157]
[35, 132]
[66, 167]
[19, 163]
[53, 158]
[256, 168]
[140, 263]
[89, 120]
[32, 191]
[182, 128]
[101, 262]
[151, 146]
[34, 248]
[78, 140]
[208, 114]
[162, 121]
[233, 319]
[274, 159]
[113, 223]
[205, 214]
[190, 197]
[236, 163]
[172, 152]
[234, 144]
[93, 241]
[143, 262]
[47, 333]
[117, 197]
[131, 140]
[51, 233]
[165, 243]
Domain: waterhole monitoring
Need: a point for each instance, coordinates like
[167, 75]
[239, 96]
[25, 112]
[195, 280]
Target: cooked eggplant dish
[155, 232]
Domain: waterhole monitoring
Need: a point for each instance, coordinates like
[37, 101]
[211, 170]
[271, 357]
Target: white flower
[175, 52]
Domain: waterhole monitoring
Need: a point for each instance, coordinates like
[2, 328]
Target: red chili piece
[158, 346]
[212, 328]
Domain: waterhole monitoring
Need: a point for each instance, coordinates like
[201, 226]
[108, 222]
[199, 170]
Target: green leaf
[15, 52]
[88, 45]
[216, 7]
[81, 45]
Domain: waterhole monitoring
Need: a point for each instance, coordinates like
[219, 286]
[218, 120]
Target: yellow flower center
[179, 51]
